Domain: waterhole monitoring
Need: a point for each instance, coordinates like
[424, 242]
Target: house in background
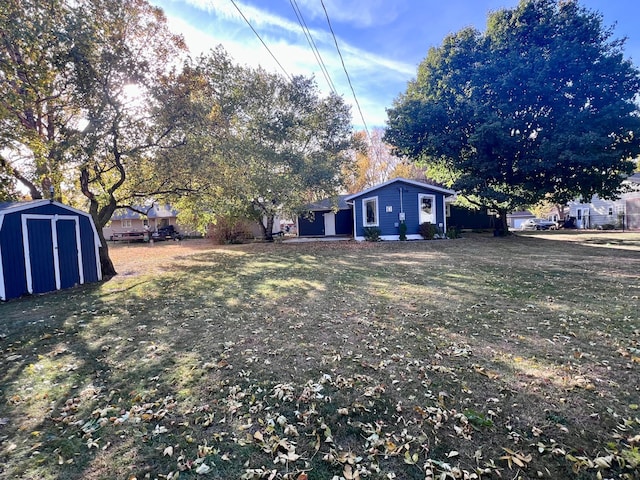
[125, 221]
[516, 219]
[386, 205]
[46, 246]
[623, 212]
[328, 217]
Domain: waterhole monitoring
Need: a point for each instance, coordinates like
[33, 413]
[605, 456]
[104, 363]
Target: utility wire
[260, 38]
[312, 44]
[366, 129]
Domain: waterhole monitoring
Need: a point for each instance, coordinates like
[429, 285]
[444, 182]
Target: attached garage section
[46, 246]
[329, 217]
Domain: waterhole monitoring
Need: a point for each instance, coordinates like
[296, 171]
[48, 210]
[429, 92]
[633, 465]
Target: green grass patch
[472, 358]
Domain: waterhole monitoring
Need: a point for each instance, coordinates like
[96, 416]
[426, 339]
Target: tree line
[541, 107]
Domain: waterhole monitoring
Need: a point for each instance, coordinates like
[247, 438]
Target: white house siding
[600, 212]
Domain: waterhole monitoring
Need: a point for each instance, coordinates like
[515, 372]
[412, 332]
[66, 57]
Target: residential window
[126, 223]
[610, 211]
[370, 212]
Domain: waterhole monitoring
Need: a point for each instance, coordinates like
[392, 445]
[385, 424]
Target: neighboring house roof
[635, 178]
[154, 211]
[524, 214]
[330, 203]
[436, 188]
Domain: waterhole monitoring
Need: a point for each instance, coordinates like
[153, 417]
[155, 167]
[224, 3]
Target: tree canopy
[540, 106]
[266, 144]
[84, 85]
[373, 163]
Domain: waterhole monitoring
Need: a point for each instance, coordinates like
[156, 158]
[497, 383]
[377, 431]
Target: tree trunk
[267, 230]
[108, 270]
[502, 229]
[101, 217]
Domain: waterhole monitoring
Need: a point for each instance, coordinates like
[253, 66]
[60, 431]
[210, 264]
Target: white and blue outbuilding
[387, 205]
[46, 246]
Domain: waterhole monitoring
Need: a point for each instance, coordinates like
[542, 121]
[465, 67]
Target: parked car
[538, 224]
[166, 233]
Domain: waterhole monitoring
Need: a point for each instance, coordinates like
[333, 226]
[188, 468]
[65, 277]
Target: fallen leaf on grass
[202, 469]
[517, 458]
[487, 373]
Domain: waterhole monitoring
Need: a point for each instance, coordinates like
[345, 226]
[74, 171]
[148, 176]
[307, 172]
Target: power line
[366, 129]
[312, 44]
[260, 38]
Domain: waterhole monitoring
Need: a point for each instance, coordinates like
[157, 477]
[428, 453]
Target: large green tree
[540, 106]
[36, 108]
[84, 87]
[267, 144]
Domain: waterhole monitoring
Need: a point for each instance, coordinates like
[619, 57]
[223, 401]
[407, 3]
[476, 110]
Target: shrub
[427, 230]
[454, 232]
[229, 231]
[607, 226]
[403, 231]
[372, 234]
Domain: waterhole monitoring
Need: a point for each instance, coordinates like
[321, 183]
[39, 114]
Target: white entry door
[330, 224]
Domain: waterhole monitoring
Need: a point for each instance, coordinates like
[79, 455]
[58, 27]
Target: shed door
[53, 259]
[67, 250]
[40, 265]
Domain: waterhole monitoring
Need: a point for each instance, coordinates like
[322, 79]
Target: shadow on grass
[192, 367]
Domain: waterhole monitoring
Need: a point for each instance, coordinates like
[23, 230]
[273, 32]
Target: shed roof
[15, 206]
[416, 183]
[338, 201]
[10, 207]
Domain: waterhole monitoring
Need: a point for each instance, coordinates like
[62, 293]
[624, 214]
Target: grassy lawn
[514, 358]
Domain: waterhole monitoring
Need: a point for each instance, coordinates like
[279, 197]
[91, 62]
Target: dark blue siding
[389, 196]
[88, 244]
[68, 253]
[312, 226]
[315, 226]
[41, 250]
[344, 222]
[15, 283]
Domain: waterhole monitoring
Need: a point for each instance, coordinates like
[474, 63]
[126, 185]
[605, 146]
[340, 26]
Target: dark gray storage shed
[46, 246]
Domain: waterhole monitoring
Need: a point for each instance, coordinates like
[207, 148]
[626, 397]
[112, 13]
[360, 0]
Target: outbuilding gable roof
[6, 207]
[338, 201]
[415, 183]
[10, 207]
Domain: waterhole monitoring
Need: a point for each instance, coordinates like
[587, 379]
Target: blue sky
[381, 41]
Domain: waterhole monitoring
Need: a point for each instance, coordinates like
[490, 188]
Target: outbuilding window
[370, 212]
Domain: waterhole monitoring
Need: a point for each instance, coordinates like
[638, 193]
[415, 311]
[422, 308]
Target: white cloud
[359, 13]
[369, 72]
